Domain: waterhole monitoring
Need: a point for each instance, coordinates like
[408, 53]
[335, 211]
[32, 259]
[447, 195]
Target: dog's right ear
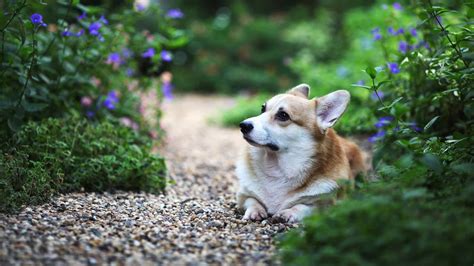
[301, 90]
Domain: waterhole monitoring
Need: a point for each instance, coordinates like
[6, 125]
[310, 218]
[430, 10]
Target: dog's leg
[254, 210]
[294, 214]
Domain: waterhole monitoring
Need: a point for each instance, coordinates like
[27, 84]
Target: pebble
[196, 222]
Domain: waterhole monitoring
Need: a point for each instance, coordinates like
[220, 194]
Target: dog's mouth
[271, 146]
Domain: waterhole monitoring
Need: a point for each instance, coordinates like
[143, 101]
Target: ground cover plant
[419, 210]
[65, 60]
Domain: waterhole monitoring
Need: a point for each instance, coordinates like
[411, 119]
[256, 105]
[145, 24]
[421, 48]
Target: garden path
[195, 222]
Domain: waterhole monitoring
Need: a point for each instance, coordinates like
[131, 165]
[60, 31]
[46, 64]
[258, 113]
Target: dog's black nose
[246, 127]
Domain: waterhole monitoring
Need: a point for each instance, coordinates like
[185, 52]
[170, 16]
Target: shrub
[63, 155]
[418, 212]
[80, 61]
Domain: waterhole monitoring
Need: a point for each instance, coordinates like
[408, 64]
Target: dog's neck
[294, 163]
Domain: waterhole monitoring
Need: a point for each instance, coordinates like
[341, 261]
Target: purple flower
[166, 56]
[174, 13]
[82, 16]
[150, 52]
[129, 72]
[114, 58]
[80, 33]
[377, 136]
[393, 67]
[391, 31]
[403, 47]
[111, 100]
[413, 32]
[383, 121]
[397, 6]
[424, 44]
[360, 82]
[374, 97]
[66, 33]
[94, 28]
[376, 34]
[103, 20]
[414, 126]
[90, 114]
[37, 19]
[126, 53]
[167, 90]
[400, 31]
[140, 7]
[101, 38]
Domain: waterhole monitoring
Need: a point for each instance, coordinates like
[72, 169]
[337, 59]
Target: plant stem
[59, 28]
[445, 32]
[32, 65]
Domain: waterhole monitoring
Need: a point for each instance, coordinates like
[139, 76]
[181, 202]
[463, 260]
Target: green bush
[419, 210]
[57, 156]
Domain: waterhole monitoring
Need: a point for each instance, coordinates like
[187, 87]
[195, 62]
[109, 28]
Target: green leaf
[432, 162]
[371, 72]
[432, 121]
[361, 86]
[463, 168]
[33, 107]
[14, 123]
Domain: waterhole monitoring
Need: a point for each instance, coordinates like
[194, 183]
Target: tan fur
[329, 158]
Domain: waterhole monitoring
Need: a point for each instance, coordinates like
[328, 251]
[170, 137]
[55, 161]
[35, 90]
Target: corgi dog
[294, 155]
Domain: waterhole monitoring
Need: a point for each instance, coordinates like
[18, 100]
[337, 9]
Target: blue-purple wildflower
[166, 56]
[360, 82]
[376, 34]
[150, 52]
[383, 121]
[167, 89]
[175, 13]
[129, 72]
[377, 136]
[393, 68]
[90, 114]
[114, 58]
[127, 53]
[400, 31]
[111, 100]
[66, 33]
[414, 126]
[397, 6]
[374, 96]
[80, 33]
[37, 19]
[103, 20]
[392, 31]
[82, 16]
[403, 47]
[94, 28]
[413, 32]
[140, 7]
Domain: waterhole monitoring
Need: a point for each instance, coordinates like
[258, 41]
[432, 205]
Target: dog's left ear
[300, 90]
[330, 107]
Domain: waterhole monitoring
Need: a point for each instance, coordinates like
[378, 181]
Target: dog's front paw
[287, 216]
[255, 213]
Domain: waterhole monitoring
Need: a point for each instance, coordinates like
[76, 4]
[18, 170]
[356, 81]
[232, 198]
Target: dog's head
[291, 118]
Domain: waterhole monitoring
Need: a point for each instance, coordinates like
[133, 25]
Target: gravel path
[195, 223]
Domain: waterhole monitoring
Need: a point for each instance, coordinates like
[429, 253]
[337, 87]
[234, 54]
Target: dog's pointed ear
[300, 90]
[330, 107]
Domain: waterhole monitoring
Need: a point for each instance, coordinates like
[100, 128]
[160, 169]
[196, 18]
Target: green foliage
[48, 70]
[58, 156]
[243, 109]
[419, 210]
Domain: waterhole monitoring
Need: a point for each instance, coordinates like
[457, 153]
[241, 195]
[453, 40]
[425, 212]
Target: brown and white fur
[290, 162]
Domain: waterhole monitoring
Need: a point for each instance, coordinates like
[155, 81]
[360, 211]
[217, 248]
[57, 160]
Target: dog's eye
[264, 108]
[282, 116]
